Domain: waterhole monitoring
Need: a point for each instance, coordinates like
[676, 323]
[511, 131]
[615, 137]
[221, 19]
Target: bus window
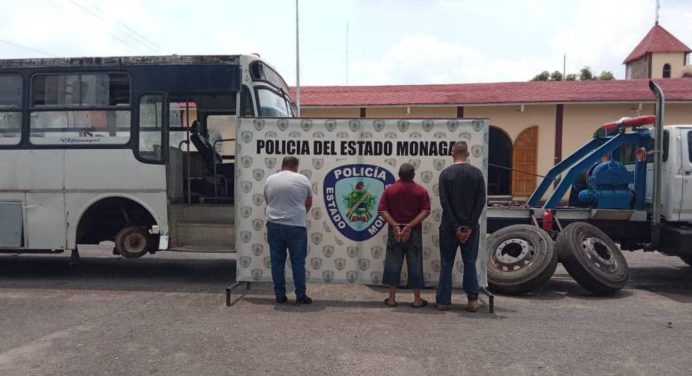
[81, 109]
[150, 128]
[10, 109]
[271, 103]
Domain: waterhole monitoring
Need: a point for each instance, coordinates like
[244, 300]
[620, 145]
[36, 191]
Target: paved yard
[165, 315]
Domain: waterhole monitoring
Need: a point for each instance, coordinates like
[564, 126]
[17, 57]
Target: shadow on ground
[150, 273]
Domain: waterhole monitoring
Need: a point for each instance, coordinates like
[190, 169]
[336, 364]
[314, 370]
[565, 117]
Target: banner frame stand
[233, 287]
[229, 289]
[491, 299]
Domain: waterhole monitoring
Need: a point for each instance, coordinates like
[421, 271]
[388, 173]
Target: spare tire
[522, 258]
[592, 258]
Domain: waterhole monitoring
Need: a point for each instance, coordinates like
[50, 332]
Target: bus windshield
[273, 104]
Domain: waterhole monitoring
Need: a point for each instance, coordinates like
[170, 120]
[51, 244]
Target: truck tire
[592, 258]
[522, 258]
[132, 242]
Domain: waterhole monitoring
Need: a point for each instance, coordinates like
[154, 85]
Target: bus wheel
[592, 258]
[132, 242]
[522, 258]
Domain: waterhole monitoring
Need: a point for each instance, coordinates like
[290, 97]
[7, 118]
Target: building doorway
[525, 160]
[499, 163]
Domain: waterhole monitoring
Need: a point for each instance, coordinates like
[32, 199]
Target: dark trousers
[448, 251]
[295, 240]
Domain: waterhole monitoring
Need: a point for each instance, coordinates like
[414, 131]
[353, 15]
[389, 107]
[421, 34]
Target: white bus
[134, 150]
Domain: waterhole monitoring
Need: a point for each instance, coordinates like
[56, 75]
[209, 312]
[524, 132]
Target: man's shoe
[474, 304]
[281, 299]
[303, 300]
[442, 307]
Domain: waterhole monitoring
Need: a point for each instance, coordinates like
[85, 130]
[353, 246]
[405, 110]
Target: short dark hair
[460, 148]
[406, 171]
[289, 163]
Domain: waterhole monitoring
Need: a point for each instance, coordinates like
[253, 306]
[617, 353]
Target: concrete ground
[165, 315]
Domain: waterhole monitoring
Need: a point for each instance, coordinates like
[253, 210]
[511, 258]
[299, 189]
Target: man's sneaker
[474, 304]
[303, 300]
[281, 299]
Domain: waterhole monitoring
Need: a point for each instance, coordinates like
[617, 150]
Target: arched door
[499, 163]
[524, 161]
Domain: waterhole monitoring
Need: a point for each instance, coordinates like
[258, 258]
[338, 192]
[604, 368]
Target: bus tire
[522, 258]
[132, 242]
[592, 258]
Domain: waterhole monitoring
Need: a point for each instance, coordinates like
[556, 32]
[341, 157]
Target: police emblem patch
[351, 195]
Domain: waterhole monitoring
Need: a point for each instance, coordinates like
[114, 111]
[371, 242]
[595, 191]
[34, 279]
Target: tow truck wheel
[592, 258]
[132, 242]
[522, 258]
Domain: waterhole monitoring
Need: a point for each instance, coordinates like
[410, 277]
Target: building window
[666, 70]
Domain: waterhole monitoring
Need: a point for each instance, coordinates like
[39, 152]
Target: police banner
[349, 163]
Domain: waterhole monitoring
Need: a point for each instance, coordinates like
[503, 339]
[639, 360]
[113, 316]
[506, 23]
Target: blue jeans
[412, 249]
[448, 251]
[295, 240]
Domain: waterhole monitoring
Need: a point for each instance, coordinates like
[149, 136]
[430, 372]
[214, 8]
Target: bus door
[202, 144]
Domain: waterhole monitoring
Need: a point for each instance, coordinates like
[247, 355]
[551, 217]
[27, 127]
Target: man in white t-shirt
[288, 195]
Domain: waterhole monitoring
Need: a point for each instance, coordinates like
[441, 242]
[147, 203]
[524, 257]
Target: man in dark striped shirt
[462, 196]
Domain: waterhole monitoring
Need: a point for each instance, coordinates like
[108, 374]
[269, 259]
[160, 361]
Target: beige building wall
[676, 61]
[582, 120]
[678, 113]
[437, 112]
[513, 121]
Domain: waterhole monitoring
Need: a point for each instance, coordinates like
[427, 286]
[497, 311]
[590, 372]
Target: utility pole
[297, 62]
[564, 67]
[658, 8]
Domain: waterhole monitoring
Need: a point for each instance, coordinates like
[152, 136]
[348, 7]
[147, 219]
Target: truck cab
[677, 174]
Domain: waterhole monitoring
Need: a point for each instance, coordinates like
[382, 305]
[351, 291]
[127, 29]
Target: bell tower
[658, 55]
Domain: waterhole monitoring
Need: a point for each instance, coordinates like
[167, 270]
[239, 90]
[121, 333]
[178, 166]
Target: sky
[388, 42]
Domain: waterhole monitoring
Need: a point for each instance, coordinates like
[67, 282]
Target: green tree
[571, 77]
[585, 74]
[606, 76]
[543, 76]
[556, 76]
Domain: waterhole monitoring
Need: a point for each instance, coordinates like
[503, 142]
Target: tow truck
[628, 188]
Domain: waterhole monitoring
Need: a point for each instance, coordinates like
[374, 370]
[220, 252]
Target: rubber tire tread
[530, 279]
[573, 258]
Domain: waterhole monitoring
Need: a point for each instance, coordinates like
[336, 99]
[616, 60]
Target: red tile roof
[675, 89]
[657, 39]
